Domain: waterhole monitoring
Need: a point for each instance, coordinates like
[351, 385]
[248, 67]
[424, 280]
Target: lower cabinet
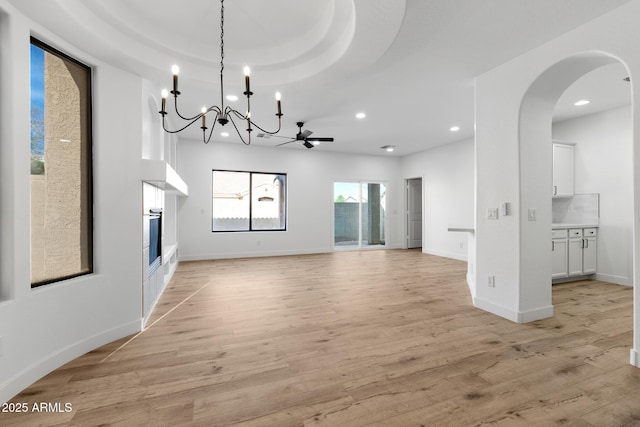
[559, 254]
[589, 257]
[578, 248]
[576, 244]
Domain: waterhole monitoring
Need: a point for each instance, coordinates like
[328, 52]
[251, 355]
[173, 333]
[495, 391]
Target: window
[249, 201]
[61, 200]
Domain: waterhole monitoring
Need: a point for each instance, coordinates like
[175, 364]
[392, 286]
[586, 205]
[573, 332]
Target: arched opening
[535, 164]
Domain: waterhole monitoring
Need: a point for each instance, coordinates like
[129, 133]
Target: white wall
[310, 177]
[43, 328]
[603, 165]
[514, 164]
[448, 195]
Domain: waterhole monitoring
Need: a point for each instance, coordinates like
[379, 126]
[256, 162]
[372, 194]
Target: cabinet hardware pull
[555, 190]
[553, 246]
[586, 241]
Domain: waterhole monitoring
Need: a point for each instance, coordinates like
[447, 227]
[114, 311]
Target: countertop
[560, 226]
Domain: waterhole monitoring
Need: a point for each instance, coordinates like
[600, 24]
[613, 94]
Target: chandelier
[223, 115]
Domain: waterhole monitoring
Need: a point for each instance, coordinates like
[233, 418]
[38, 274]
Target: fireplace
[155, 239]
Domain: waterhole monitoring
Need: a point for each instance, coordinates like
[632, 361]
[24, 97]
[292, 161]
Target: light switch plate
[492, 213]
[505, 209]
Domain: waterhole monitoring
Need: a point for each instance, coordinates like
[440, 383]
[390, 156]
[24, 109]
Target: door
[414, 213]
[359, 214]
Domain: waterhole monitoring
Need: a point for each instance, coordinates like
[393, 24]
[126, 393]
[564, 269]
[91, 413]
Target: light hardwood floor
[371, 338]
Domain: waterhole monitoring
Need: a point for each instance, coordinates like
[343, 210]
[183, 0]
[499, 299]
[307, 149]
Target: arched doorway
[535, 165]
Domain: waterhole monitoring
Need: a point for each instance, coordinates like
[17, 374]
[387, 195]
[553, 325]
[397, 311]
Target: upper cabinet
[563, 169]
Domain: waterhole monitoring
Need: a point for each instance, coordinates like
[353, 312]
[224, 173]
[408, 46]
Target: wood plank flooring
[370, 338]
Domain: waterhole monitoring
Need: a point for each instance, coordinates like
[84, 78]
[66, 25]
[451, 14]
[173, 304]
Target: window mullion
[250, 201]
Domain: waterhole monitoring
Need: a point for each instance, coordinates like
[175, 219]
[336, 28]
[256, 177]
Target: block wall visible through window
[61, 202]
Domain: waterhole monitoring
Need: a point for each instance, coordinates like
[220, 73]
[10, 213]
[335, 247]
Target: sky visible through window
[348, 191]
[37, 103]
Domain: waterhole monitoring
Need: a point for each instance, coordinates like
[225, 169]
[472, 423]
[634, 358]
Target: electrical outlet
[461, 245]
[532, 214]
[491, 281]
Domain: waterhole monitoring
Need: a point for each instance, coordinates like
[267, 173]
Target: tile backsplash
[577, 209]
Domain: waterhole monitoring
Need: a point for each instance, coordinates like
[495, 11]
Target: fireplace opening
[155, 239]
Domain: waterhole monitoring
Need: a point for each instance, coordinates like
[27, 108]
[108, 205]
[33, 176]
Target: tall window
[61, 201]
[249, 201]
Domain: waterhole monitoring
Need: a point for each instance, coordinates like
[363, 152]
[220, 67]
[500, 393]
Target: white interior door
[414, 213]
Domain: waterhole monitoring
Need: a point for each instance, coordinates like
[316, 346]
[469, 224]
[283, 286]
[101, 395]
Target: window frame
[87, 165]
[250, 229]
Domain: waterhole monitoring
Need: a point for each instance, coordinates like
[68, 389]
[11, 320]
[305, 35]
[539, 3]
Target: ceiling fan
[302, 136]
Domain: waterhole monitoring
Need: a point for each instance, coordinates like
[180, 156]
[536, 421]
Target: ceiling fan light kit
[223, 115]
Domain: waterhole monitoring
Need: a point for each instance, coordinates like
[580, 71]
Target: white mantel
[161, 174]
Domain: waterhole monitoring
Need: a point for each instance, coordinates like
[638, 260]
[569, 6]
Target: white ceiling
[408, 64]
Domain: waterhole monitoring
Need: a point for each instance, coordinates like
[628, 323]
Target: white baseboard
[618, 280]
[452, 255]
[634, 358]
[495, 309]
[31, 374]
[471, 284]
[535, 314]
[513, 315]
[230, 255]
[235, 255]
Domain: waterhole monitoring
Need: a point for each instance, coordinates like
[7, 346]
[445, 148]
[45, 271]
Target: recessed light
[581, 102]
[360, 115]
[231, 97]
[225, 134]
[454, 128]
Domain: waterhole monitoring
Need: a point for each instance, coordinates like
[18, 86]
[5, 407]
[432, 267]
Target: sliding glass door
[359, 214]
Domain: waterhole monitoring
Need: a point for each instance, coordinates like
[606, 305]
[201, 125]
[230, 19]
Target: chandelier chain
[223, 115]
[221, 36]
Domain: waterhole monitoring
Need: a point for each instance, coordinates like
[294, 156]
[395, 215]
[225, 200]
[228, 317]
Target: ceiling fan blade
[306, 133]
[267, 136]
[320, 139]
[286, 142]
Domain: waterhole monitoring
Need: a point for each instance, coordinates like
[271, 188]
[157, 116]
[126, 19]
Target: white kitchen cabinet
[563, 169]
[589, 252]
[559, 253]
[575, 256]
[574, 252]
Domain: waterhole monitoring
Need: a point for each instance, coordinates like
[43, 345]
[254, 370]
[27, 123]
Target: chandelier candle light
[223, 115]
